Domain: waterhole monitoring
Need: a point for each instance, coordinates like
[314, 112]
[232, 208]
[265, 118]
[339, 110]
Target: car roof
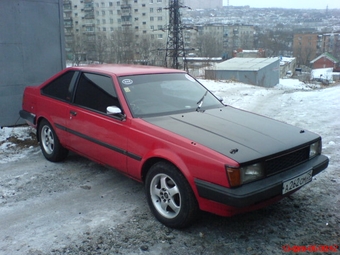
[124, 70]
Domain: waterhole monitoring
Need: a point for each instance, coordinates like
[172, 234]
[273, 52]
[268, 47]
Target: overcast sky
[296, 4]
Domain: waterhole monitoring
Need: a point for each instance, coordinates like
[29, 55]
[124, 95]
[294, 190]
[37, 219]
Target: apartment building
[220, 39]
[203, 4]
[307, 47]
[96, 28]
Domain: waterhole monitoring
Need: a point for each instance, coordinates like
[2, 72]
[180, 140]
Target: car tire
[170, 196]
[49, 143]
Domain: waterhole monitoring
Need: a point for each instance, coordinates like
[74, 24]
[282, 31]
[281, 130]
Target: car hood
[237, 134]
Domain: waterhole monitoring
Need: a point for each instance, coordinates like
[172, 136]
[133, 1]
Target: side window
[59, 88]
[95, 92]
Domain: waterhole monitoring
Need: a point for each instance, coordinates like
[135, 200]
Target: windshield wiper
[200, 102]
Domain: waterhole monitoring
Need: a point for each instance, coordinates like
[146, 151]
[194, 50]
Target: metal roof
[245, 64]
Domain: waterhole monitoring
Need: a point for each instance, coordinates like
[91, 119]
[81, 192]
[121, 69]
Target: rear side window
[59, 88]
[96, 92]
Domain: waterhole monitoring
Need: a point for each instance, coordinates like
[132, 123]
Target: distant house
[325, 60]
[263, 72]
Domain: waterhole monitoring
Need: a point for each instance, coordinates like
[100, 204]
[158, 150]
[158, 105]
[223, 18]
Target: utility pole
[175, 44]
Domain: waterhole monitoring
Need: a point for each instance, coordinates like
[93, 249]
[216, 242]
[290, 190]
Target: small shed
[263, 72]
[325, 60]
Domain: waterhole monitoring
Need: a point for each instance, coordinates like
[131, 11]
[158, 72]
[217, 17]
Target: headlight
[252, 172]
[315, 149]
[239, 176]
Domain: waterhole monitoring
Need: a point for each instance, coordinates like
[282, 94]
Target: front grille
[283, 162]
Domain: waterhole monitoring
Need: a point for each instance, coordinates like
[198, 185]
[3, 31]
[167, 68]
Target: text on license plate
[297, 182]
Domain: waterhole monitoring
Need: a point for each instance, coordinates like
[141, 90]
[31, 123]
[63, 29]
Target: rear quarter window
[59, 88]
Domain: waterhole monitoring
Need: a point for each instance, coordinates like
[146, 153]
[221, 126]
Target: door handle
[74, 113]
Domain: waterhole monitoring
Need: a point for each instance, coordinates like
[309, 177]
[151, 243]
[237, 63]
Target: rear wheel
[49, 143]
[169, 196]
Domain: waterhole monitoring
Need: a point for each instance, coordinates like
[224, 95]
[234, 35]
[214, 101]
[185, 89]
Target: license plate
[297, 182]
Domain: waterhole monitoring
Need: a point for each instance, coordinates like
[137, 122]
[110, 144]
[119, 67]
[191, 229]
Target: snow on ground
[308, 106]
[15, 143]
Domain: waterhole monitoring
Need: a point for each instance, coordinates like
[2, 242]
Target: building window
[97, 4]
[159, 1]
[159, 27]
[118, 3]
[151, 10]
[159, 10]
[98, 21]
[151, 18]
[136, 10]
[144, 23]
[104, 29]
[111, 21]
[152, 27]
[103, 4]
[111, 12]
[144, 31]
[144, 14]
[143, 5]
[104, 21]
[110, 4]
[160, 18]
[160, 36]
[151, 1]
[136, 27]
[152, 36]
[111, 29]
[103, 13]
[136, 19]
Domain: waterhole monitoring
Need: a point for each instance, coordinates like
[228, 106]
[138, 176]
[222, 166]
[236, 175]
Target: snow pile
[322, 73]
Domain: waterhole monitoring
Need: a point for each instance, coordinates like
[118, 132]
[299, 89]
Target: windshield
[162, 94]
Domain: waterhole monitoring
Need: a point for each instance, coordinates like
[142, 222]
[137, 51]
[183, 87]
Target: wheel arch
[171, 158]
[39, 120]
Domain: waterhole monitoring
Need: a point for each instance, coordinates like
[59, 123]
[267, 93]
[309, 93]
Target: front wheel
[49, 143]
[169, 196]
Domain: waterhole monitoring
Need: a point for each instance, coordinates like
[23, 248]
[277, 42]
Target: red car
[163, 128]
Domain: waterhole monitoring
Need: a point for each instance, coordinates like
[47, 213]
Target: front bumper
[261, 190]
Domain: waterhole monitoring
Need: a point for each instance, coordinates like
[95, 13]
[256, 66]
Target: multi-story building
[114, 31]
[203, 4]
[220, 40]
[307, 47]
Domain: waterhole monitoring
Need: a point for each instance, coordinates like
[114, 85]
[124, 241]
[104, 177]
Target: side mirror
[220, 99]
[113, 110]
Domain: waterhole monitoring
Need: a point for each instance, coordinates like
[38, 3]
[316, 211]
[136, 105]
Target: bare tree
[275, 43]
[149, 51]
[101, 46]
[209, 46]
[78, 48]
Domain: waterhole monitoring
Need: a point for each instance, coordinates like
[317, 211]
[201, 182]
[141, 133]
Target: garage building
[263, 72]
[31, 50]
